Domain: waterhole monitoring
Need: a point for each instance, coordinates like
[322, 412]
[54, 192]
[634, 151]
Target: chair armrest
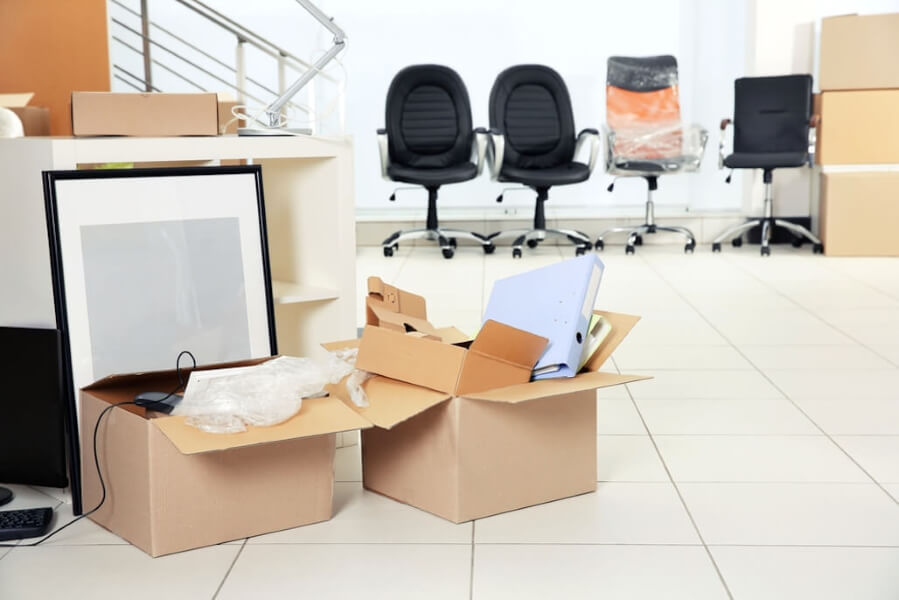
[384, 152]
[608, 137]
[721, 140]
[591, 135]
[496, 150]
[479, 150]
[813, 123]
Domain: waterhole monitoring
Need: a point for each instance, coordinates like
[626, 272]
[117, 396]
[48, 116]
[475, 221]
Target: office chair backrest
[428, 118]
[531, 106]
[642, 105]
[771, 114]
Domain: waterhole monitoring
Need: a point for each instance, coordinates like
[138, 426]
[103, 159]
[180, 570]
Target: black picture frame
[199, 178]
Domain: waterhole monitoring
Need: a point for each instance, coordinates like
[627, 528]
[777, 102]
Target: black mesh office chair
[532, 142]
[429, 141]
[645, 136]
[773, 128]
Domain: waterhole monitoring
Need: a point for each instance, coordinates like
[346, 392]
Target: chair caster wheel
[452, 242]
[599, 245]
[629, 249]
[579, 251]
[797, 242]
[766, 251]
[638, 240]
[488, 248]
[818, 248]
[447, 252]
[716, 247]
[516, 252]
[736, 242]
[388, 251]
[533, 243]
[688, 249]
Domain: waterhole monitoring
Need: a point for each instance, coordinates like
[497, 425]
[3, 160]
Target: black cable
[181, 385]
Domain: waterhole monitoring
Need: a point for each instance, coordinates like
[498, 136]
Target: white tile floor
[760, 463]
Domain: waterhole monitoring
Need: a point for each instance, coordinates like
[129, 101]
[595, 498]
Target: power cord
[181, 385]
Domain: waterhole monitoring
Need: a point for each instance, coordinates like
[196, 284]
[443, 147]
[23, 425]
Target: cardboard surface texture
[858, 127]
[35, 119]
[850, 203]
[463, 433]
[172, 487]
[144, 114]
[859, 52]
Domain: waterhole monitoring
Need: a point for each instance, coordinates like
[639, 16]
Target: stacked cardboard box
[859, 127]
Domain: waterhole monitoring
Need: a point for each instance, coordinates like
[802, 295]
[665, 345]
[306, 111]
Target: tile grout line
[765, 375]
[677, 490]
[230, 568]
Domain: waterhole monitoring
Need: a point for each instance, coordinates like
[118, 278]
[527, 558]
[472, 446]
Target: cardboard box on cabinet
[459, 430]
[144, 114]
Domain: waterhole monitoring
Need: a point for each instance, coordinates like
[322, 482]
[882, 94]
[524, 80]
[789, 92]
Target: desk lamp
[273, 110]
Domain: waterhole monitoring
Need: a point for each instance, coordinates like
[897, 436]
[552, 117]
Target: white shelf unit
[309, 202]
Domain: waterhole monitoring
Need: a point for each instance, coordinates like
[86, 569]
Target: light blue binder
[555, 302]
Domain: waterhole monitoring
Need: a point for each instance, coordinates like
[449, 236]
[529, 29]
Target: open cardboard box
[460, 431]
[171, 487]
[35, 119]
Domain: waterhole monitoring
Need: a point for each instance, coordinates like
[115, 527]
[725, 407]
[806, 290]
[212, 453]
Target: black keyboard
[24, 523]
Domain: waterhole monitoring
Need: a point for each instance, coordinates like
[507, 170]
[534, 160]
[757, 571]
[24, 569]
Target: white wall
[479, 38]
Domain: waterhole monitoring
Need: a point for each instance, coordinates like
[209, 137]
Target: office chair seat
[573, 172]
[432, 176]
[765, 160]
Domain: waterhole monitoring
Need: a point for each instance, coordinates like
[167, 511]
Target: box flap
[391, 402]
[16, 100]
[341, 345]
[501, 355]
[621, 326]
[451, 335]
[317, 416]
[397, 300]
[409, 358]
[382, 315]
[554, 387]
[129, 379]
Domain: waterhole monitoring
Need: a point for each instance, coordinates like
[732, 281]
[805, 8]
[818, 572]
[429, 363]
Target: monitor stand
[5, 495]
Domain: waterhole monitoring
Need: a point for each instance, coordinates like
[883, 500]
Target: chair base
[445, 238]
[635, 234]
[533, 237]
[767, 224]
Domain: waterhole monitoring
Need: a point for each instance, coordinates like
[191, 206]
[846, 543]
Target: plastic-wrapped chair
[644, 135]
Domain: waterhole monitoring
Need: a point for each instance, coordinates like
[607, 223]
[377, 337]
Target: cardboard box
[858, 127]
[35, 119]
[144, 114]
[859, 52]
[171, 487]
[459, 430]
[859, 213]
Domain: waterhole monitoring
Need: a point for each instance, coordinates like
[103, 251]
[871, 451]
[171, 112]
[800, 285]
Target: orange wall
[52, 48]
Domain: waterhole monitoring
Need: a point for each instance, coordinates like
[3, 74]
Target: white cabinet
[308, 190]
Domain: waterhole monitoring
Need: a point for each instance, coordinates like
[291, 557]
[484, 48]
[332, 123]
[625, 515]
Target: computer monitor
[33, 414]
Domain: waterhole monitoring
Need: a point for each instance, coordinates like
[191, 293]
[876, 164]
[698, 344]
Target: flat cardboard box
[858, 127]
[144, 114]
[35, 119]
[460, 437]
[851, 203]
[171, 487]
[859, 52]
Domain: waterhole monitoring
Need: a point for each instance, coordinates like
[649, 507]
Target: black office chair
[773, 128]
[532, 142]
[429, 141]
[645, 136]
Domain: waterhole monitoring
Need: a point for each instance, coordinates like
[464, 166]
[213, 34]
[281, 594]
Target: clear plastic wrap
[227, 400]
[643, 118]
